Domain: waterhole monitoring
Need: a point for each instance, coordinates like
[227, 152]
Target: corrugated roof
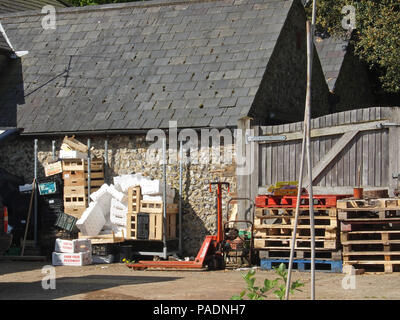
[140, 65]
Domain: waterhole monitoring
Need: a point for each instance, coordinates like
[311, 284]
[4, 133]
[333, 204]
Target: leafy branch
[277, 286]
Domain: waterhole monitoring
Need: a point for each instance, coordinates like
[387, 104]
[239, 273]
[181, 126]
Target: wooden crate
[157, 207]
[105, 238]
[52, 168]
[156, 226]
[74, 210]
[134, 198]
[81, 165]
[273, 228]
[155, 211]
[369, 204]
[75, 144]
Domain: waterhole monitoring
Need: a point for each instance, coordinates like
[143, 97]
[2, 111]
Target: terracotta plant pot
[358, 193]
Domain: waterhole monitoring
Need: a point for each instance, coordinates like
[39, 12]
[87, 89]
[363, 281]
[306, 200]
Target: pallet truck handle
[219, 184]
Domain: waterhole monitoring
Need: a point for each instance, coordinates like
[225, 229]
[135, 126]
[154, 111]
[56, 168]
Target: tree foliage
[376, 35]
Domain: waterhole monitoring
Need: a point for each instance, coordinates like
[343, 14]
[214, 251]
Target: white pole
[306, 143]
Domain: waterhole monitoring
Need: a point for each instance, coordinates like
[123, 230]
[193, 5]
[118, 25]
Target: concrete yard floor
[23, 280]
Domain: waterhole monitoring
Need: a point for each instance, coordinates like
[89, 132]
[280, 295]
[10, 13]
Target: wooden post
[394, 152]
[243, 179]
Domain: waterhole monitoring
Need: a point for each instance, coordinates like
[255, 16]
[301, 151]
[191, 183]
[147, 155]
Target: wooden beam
[335, 130]
[332, 154]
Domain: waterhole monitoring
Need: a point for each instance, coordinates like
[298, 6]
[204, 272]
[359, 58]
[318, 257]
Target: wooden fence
[342, 143]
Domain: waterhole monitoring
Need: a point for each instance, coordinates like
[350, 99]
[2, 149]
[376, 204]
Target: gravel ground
[23, 280]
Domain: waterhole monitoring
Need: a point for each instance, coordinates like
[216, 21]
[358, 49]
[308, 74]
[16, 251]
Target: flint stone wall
[127, 155]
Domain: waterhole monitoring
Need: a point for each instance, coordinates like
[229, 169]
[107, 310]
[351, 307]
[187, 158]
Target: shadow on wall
[70, 286]
[125, 156]
[11, 92]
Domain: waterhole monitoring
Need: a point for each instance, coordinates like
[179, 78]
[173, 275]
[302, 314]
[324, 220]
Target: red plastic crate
[320, 201]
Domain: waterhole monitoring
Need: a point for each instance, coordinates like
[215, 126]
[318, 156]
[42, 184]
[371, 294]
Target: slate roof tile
[151, 58]
[331, 52]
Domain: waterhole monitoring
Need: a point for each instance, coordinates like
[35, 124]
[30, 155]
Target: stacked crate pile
[75, 176]
[274, 224]
[50, 206]
[370, 233]
[145, 218]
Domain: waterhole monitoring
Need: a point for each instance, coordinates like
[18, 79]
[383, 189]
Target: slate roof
[8, 6]
[331, 52]
[139, 65]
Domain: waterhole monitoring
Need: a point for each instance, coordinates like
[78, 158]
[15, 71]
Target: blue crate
[304, 264]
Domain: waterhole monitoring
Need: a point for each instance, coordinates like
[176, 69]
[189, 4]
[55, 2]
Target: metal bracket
[261, 139]
[388, 124]
[396, 176]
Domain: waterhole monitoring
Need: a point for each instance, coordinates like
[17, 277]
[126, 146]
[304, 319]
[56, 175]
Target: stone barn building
[114, 72]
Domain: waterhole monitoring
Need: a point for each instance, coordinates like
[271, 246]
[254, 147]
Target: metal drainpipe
[53, 149]
[35, 208]
[106, 160]
[165, 200]
[89, 162]
[180, 194]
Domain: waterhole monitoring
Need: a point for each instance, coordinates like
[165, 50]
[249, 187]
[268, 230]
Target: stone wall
[127, 154]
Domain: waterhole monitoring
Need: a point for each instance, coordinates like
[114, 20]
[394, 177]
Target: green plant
[281, 288]
[127, 261]
[278, 285]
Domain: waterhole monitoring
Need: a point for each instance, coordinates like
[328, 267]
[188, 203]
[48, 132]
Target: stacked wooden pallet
[145, 218]
[370, 233]
[75, 177]
[274, 224]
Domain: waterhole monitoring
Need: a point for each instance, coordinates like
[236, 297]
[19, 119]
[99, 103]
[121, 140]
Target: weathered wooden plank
[280, 162]
[394, 151]
[322, 150]
[286, 161]
[334, 170]
[333, 153]
[292, 161]
[333, 130]
[346, 164]
[371, 158]
[386, 159]
[365, 159]
[378, 156]
[353, 162]
[370, 149]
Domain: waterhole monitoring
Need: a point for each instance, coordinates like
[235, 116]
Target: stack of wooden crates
[145, 218]
[370, 234]
[75, 177]
[274, 224]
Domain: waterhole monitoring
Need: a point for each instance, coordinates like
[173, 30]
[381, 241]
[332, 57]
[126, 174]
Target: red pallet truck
[210, 255]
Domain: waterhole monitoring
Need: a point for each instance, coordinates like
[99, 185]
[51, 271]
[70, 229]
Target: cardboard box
[71, 259]
[73, 246]
[51, 169]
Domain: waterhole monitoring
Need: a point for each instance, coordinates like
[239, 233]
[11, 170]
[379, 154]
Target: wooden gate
[342, 143]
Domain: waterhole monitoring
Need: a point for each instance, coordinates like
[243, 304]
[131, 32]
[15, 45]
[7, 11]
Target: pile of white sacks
[108, 209]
